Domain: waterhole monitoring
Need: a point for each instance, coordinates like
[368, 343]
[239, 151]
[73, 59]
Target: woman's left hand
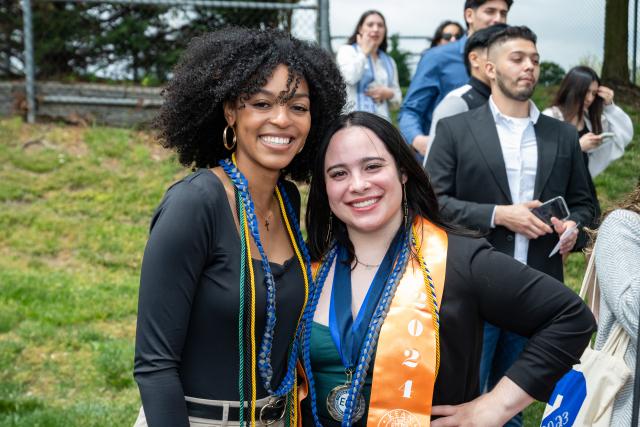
[379, 93]
[606, 94]
[491, 409]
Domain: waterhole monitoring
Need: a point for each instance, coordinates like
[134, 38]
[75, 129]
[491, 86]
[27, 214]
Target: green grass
[75, 205]
[75, 208]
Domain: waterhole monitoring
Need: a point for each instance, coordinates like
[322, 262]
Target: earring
[327, 238]
[405, 207]
[225, 141]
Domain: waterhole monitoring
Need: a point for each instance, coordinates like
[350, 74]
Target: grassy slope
[74, 212]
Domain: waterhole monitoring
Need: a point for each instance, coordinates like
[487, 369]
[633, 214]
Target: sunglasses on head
[449, 36]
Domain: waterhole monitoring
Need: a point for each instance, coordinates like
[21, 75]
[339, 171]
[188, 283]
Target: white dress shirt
[520, 152]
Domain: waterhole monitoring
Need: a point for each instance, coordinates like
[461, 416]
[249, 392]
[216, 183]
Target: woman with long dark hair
[370, 73]
[604, 129]
[225, 275]
[446, 32]
[393, 333]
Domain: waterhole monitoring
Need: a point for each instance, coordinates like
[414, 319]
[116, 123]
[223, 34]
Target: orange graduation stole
[407, 356]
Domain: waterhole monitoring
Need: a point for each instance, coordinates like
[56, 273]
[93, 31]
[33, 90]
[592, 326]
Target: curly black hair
[235, 63]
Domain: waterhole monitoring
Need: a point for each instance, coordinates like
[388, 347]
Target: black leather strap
[214, 412]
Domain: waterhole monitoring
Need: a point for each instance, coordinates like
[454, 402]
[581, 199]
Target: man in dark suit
[491, 165]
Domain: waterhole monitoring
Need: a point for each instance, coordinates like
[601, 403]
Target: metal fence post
[29, 67]
[323, 20]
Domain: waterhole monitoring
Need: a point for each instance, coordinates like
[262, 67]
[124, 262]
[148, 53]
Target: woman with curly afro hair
[226, 276]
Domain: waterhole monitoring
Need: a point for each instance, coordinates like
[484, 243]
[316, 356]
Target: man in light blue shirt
[441, 69]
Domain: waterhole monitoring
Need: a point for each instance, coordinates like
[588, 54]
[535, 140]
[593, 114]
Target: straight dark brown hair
[572, 92]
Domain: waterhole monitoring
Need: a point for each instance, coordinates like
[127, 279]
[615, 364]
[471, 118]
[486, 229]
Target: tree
[140, 42]
[10, 38]
[550, 73]
[401, 57]
[615, 67]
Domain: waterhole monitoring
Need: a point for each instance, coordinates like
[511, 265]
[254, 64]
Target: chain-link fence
[570, 32]
[91, 43]
[111, 42]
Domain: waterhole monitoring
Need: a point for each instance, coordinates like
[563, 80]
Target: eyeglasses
[449, 36]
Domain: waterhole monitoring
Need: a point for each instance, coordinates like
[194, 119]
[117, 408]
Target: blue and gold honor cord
[249, 229]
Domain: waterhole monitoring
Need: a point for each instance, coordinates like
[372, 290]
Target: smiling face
[514, 66]
[269, 131]
[364, 187]
[373, 26]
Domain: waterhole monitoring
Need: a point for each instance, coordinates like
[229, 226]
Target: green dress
[328, 372]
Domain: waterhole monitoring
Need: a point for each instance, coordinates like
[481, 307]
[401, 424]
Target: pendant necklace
[266, 218]
[337, 400]
[247, 218]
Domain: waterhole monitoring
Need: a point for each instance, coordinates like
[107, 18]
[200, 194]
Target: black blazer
[468, 173]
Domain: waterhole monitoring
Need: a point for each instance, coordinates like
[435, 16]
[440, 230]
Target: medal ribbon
[347, 334]
[407, 355]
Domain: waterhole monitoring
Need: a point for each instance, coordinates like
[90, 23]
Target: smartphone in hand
[555, 207]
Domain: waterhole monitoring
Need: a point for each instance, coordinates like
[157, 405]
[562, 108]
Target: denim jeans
[499, 350]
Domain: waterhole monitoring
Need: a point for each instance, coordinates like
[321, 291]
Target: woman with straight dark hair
[371, 75]
[225, 275]
[397, 285]
[604, 129]
[447, 31]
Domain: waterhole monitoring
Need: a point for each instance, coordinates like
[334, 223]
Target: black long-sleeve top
[483, 284]
[187, 330]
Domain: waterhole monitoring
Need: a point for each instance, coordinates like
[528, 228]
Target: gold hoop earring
[225, 141]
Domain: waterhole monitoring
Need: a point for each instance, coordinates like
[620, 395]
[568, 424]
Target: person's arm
[494, 408]
[520, 299]
[578, 195]
[173, 260]
[351, 63]
[617, 121]
[441, 167]
[617, 253]
[420, 98]
[449, 106]
[390, 92]
[517, 298]
[394, 85]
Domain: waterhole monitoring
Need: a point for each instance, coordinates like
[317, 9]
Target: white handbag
[585, 395]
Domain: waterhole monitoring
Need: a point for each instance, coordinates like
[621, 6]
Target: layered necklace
[246, 320]
[345, 403]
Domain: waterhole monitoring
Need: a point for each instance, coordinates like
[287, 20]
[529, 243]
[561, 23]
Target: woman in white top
[371, 75]
[604, 128]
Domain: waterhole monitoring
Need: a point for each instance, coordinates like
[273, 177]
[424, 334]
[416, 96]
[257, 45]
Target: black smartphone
[555, 207]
